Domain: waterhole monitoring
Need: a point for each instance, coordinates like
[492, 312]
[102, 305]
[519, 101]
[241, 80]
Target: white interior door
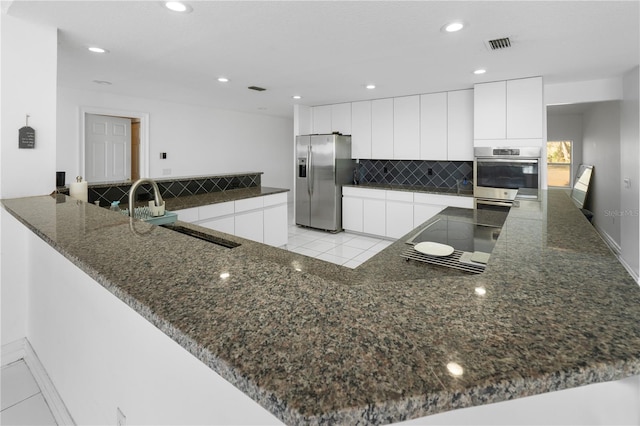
[107, 148]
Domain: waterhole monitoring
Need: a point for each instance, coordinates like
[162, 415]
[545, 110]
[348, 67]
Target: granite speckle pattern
[315, 343]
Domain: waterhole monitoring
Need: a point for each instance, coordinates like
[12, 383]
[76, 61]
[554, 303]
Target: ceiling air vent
[498, 43]
[257, 89]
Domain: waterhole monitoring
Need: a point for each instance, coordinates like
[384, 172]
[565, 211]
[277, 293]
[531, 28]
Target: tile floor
[22, 401]
[343, 248]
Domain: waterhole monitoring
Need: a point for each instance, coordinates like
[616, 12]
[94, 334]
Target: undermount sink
[202, 236]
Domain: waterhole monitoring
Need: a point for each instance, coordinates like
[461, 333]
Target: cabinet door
[352, 214]
[524, 108]
[424, 212]
[406, 128]
[322, 119]
[341, 118]
[225, 224]
[433, 126]
[216, 210]
[490, 110]
[361, 130]
[250, 226]
[460, 125]
[382, 128]
[399, 218]
[275, 225]
[374, 221]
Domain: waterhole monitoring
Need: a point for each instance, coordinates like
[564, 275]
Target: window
[559, 163]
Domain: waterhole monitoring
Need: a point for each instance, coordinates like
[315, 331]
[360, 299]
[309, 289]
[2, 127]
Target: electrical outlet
[384, 170]
[430, 171]
[121, 419]
[166, 172]
[627, 183]
[163, 155]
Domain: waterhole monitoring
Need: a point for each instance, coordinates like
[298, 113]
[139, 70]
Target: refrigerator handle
[310, 166]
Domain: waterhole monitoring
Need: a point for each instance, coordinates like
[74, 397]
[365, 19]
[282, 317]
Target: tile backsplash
[171, 188]
[438, 174]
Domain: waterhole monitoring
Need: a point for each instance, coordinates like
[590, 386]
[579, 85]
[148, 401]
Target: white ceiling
[327, 51]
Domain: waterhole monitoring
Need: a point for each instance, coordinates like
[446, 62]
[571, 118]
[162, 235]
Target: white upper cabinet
[509, 113]
[382, 128]
[433, 126]
[524, 108]
[361, 130]
[341, 118]
[490, 110]
[322, 119]
[406, 128]
[460, 125]
[332, 118]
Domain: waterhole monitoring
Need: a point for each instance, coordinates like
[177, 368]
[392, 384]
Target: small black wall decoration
[27, 136]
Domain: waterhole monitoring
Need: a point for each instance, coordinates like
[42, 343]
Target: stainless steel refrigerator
[323, 165]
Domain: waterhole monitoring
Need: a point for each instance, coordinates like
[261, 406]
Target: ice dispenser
[302, 167]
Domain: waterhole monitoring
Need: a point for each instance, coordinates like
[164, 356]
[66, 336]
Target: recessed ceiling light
[480, 71]
[177, 6]
[223, 79]
[452, 27]
[96, 49]
[297, 97]
[370, 86]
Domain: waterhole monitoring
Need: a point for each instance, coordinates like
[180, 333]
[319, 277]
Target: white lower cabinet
[275, 225]
[352, 214]
[223, 224]
[374, 217]
[262, 219]
[250, 225]
[399, 211]
[392, 214]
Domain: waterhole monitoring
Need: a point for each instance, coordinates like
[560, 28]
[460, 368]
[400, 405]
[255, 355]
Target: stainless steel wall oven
[499, 174]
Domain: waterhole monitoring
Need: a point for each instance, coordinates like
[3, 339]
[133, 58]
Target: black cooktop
[462, 230]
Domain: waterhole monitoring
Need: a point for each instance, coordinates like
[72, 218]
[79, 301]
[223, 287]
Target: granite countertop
[314, 342]
[185, 202]
[416, 188]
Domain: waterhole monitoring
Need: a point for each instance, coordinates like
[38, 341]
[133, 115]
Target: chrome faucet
[134, 188]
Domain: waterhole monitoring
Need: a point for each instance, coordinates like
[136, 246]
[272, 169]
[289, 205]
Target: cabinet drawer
[275, 199]
[216, 210]
[400, 196]
[444, 200]
[249, 204]
[188, 215]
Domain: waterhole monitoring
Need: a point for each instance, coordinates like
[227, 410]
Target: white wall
[564, 127]
[630, 168]
[576, 92]
[28, 85]
[14, 276]
[197, 140]
[601, 147]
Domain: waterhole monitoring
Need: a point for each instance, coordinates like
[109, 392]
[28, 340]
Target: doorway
[137, 145]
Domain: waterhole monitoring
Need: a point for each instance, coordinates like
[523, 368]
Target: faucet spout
[134, 188]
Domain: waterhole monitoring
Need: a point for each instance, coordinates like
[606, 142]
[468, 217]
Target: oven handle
[496, 203]
[507, 160]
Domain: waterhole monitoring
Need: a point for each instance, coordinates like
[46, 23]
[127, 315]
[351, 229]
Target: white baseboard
[22, 349]
[617, 251]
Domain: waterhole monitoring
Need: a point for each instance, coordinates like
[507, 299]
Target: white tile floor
[343, 248]
[22, 401]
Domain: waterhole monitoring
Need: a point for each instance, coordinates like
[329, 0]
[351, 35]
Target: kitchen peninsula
[313, 342]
